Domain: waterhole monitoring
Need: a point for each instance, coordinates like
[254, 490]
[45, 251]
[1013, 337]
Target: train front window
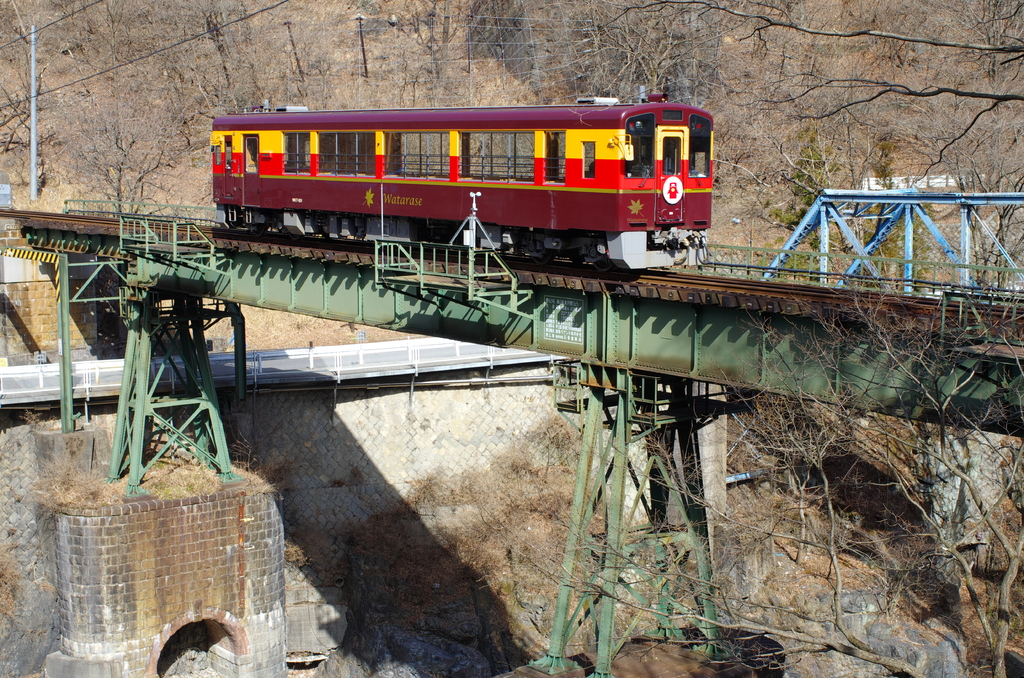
[641, 134]
[296, 152]
[700, 146]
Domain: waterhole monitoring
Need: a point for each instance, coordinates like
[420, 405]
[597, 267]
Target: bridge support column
[637, 516]
[169, 328]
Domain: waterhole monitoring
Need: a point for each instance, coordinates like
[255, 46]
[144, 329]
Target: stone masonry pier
[131, 576]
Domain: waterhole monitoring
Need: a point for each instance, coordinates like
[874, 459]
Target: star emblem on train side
[368, 198]
[635, 207]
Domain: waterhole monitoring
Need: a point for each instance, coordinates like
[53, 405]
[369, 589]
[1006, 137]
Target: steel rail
[60, 217]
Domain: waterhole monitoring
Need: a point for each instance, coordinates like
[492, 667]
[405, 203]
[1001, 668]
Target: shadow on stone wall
[365, 576]
[13, 317]
[28, 628]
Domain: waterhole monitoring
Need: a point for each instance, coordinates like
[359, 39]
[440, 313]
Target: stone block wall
[340, 457]
[374, 444]
[132, 575]
[28, 307]
[28, 632]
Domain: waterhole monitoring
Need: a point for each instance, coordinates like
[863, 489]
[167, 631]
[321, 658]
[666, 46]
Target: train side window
[347, 153]
[700, 146]
[393, 154]
[252, 153]
[670, 156]
[554, 157]
[217, 154]
[228, 157]
[496, 156]
[423, 155]
[296, 152]
[327, 161]
[589, 163]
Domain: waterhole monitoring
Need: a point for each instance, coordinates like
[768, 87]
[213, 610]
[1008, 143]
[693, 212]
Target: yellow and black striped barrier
[38, 255]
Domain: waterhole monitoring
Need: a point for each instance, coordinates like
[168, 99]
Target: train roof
[481, 118]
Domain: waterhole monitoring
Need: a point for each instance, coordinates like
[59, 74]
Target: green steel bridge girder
[733, 346]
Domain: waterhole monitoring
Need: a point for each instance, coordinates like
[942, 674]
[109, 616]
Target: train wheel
[604, 264]
[259, 228]
[544, 258]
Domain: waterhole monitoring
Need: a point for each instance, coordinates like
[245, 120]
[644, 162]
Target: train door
[251, 175]
[671, 142]
[231, 167]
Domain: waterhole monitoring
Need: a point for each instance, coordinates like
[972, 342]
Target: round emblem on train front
[672, 190]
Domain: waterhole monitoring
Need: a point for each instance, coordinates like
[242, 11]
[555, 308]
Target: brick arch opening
[224, 634]
[186, 652]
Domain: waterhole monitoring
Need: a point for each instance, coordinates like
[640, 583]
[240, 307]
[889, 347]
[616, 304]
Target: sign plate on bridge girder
[563, 320]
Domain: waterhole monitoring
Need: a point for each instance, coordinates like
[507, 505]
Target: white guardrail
[94, 378]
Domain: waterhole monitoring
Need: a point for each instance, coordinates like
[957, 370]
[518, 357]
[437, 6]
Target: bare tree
[948, 487]
[121, 149]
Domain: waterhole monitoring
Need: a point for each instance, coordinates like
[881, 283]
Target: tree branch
[768, 21]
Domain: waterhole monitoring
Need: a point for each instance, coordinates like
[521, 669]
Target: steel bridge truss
[172, 328]
[896, 213]
[637, 516]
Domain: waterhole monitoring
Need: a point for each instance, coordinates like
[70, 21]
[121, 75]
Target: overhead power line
[154, 52]
[55, 21]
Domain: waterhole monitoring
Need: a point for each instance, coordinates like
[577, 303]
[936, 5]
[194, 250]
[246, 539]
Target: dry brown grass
[517, 524]
[256, 482]
[180, 478]
[511, 519]
[62, 485]
[261, 478]
[10, 578]
[294, 554]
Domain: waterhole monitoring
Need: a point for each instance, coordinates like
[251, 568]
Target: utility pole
[33, 133]
[362, 47]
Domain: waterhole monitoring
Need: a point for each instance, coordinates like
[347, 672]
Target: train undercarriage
[639, 249]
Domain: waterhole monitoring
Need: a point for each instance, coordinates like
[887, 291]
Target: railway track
[770, 296]
[60, 217]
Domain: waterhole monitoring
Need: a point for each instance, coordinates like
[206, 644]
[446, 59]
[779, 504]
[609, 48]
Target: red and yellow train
[616, 185]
